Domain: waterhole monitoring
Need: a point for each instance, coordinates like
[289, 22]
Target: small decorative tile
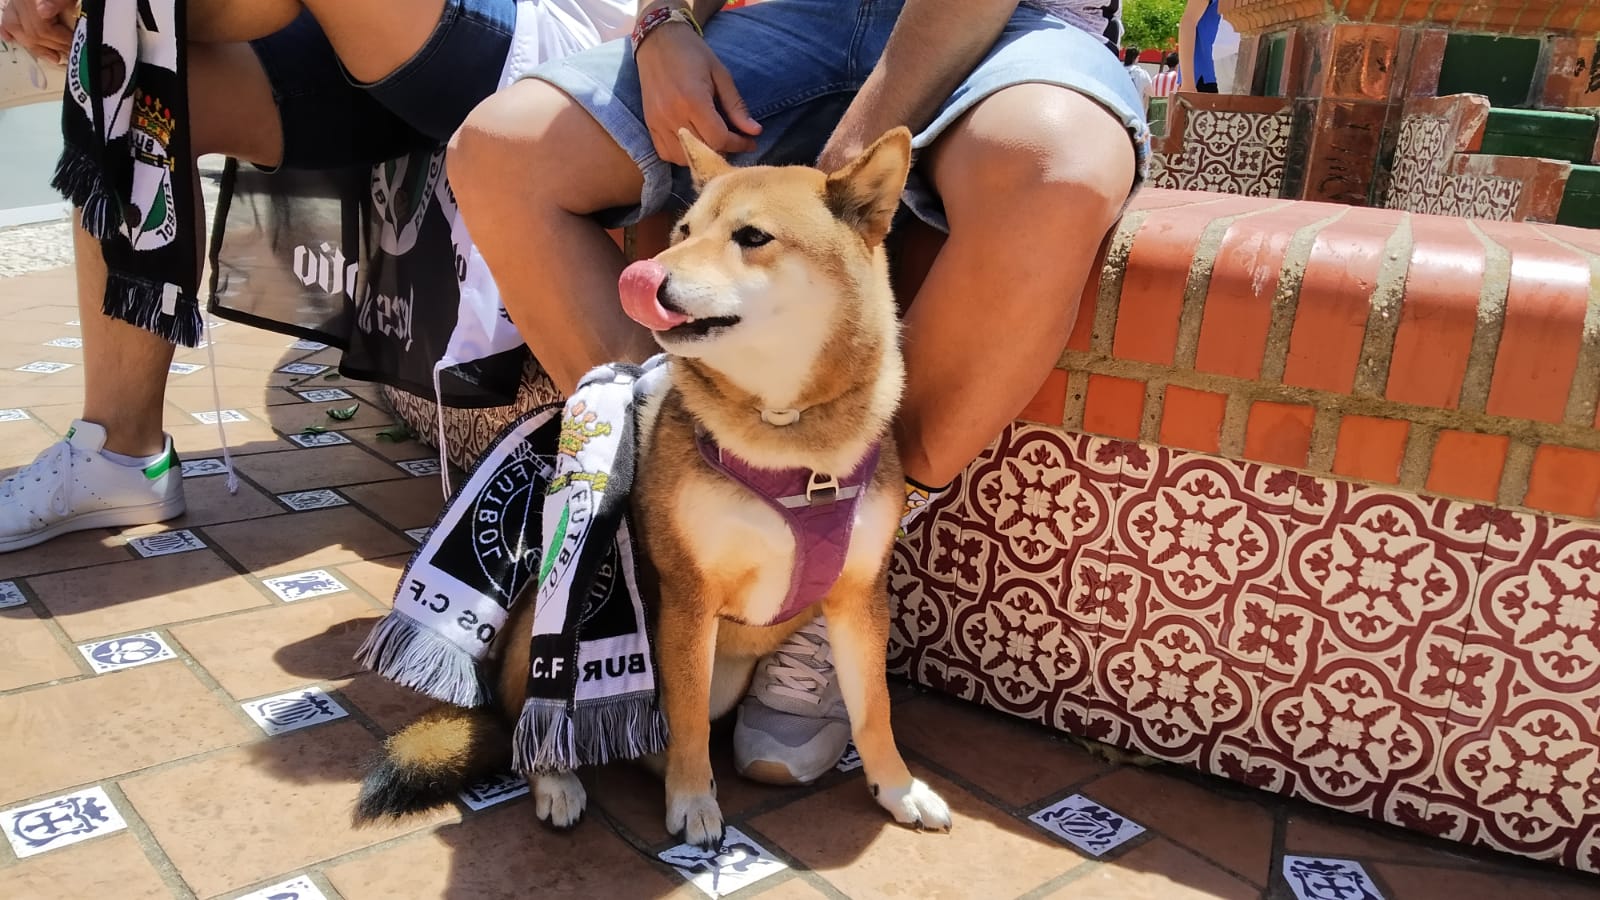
[200, 468]
[210, 417]
[294, 710]
[178, 368]
[494, 790]
[418, 534]
[420, 467]
[126, 652]
[303, 585]
[1313, 878]
[740, 863]
[850, 760]
[61, 821]
[302, 369]
[319, 439]
[13, 415]
[72, 343]
[166, 543]
[11, 595]
[308, 345]
[322, 498]
[1087, 825]
[297, 888]
[323, 395]
[42, 367]
[201, 346]
[72, 322]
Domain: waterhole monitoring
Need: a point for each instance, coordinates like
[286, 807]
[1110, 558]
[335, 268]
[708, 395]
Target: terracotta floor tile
[238, 817]
[848, 839]
[307, 540]
[1339, 835]
[378, 577]
[1236, 833]
[1158, 870]
[138, 717]
[144, 593]
[20, 443]
[392, 449]
[297, 470]
[413, 503]
[1429, 883]
[1016, 761]
[85, 548]
[792, 889]
[506, 852]
[194, 440]
[291, 419]
[29, 653]
[106, 867]
[311, 640]
[209, 503]
[386, 703]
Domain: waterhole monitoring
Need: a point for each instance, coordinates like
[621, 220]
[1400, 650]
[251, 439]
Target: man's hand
[38, 26]
[684, 85]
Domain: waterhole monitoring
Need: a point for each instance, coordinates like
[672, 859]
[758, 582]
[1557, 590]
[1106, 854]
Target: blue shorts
[330, 120]
[799, 63]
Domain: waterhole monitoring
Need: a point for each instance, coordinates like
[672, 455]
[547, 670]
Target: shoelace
[216, 397]
[55, 459]
[801, 666]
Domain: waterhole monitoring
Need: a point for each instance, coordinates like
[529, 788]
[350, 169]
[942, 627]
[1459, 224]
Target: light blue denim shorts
[798, 64]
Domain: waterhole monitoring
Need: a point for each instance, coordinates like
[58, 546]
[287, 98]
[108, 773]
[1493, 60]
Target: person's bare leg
[1032, 179]
[556, 268]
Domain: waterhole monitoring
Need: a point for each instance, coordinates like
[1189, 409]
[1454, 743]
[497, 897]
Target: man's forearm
[934, 45]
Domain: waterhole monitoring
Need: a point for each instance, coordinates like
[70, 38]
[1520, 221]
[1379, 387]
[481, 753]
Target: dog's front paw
[559, 799]
[915, 804]
[697, 819]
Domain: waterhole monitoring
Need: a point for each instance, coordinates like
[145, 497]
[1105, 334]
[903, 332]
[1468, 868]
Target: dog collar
[820, 510]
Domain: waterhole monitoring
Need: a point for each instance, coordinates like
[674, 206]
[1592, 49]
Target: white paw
[696, 818]
[915, 804]
[559, 798]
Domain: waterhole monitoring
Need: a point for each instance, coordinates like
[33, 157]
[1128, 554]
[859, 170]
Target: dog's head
[771, 265]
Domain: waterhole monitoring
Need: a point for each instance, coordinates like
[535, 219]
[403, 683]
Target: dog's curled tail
[425, 764]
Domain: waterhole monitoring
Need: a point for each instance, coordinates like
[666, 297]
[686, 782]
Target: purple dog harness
[819, 509]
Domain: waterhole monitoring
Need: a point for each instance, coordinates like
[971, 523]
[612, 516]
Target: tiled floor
[132, 689]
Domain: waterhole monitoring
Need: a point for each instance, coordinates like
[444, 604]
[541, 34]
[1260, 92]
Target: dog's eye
[750, 236]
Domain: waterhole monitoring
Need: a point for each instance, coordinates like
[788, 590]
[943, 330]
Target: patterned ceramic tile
[418, 534]
[71, 343]
[304, 585]
[308, 345]
[302, 369]
[165, 543]
[179, 368]
[126, 652]
[849, 760]
[323, 395]
[420, 467]
[319, 439]
[1424, 182]
[200, 468]
[1087, 825]
[1229, 152]
[294, 710]
[322, 498]
[45, 825]
[11, 595]
[297, 888]
[210, 417]
[42, 367]
[13, 415]
[740, 863]
[494, 790]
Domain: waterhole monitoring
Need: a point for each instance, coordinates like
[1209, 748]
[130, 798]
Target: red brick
[1335, 297]
[1358, 10]
[1278, 433]
[1565, 480]
[1192, 419]
[1468, 465]
[1371, 449]
[1344, 150]
[1362, 62]
[1542, 332]
[1047, 405]
[1157, 271]
[1113, 407]
[1238, 311]
[1439, 315]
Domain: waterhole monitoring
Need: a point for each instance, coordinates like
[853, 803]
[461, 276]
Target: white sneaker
[792, 725]
[71, 487]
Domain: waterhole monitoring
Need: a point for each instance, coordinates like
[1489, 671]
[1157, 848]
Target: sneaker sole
[119, 517]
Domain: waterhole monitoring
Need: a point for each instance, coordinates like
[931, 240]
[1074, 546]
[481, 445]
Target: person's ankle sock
[134, 462]
[918, 497]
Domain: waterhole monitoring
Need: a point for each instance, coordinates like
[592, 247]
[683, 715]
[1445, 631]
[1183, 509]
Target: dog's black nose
[664, 297]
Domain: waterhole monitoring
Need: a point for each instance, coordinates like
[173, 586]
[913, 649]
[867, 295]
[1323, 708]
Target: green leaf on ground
[344, 415]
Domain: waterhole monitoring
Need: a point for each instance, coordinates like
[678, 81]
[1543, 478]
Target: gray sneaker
[792, 725]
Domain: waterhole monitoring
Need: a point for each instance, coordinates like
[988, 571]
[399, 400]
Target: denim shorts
[330, 120]
[799, 63]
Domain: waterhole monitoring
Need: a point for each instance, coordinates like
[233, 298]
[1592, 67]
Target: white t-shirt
[1141, 81]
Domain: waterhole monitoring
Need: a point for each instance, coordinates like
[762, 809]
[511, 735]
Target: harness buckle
[822, 489]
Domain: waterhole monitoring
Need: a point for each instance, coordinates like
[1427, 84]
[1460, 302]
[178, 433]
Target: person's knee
[1041, 149]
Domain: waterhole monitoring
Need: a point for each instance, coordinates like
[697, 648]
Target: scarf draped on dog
[127, 163]
[544, 515]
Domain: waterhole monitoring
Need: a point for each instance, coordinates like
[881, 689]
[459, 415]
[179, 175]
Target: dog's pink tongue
[639, 286]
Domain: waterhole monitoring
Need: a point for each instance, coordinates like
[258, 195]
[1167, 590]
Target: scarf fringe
[413, 656]
[548, 739]
[81, 182]
[139, 303]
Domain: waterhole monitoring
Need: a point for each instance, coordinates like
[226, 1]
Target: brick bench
[1309, 504]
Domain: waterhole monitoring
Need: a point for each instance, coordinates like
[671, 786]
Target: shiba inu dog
[768, 489]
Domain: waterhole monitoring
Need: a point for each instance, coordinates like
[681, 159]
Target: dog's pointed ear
[704, 162]
[866, 192]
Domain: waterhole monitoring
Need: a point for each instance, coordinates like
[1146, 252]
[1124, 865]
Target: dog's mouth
[646, 300]
[695, 329]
